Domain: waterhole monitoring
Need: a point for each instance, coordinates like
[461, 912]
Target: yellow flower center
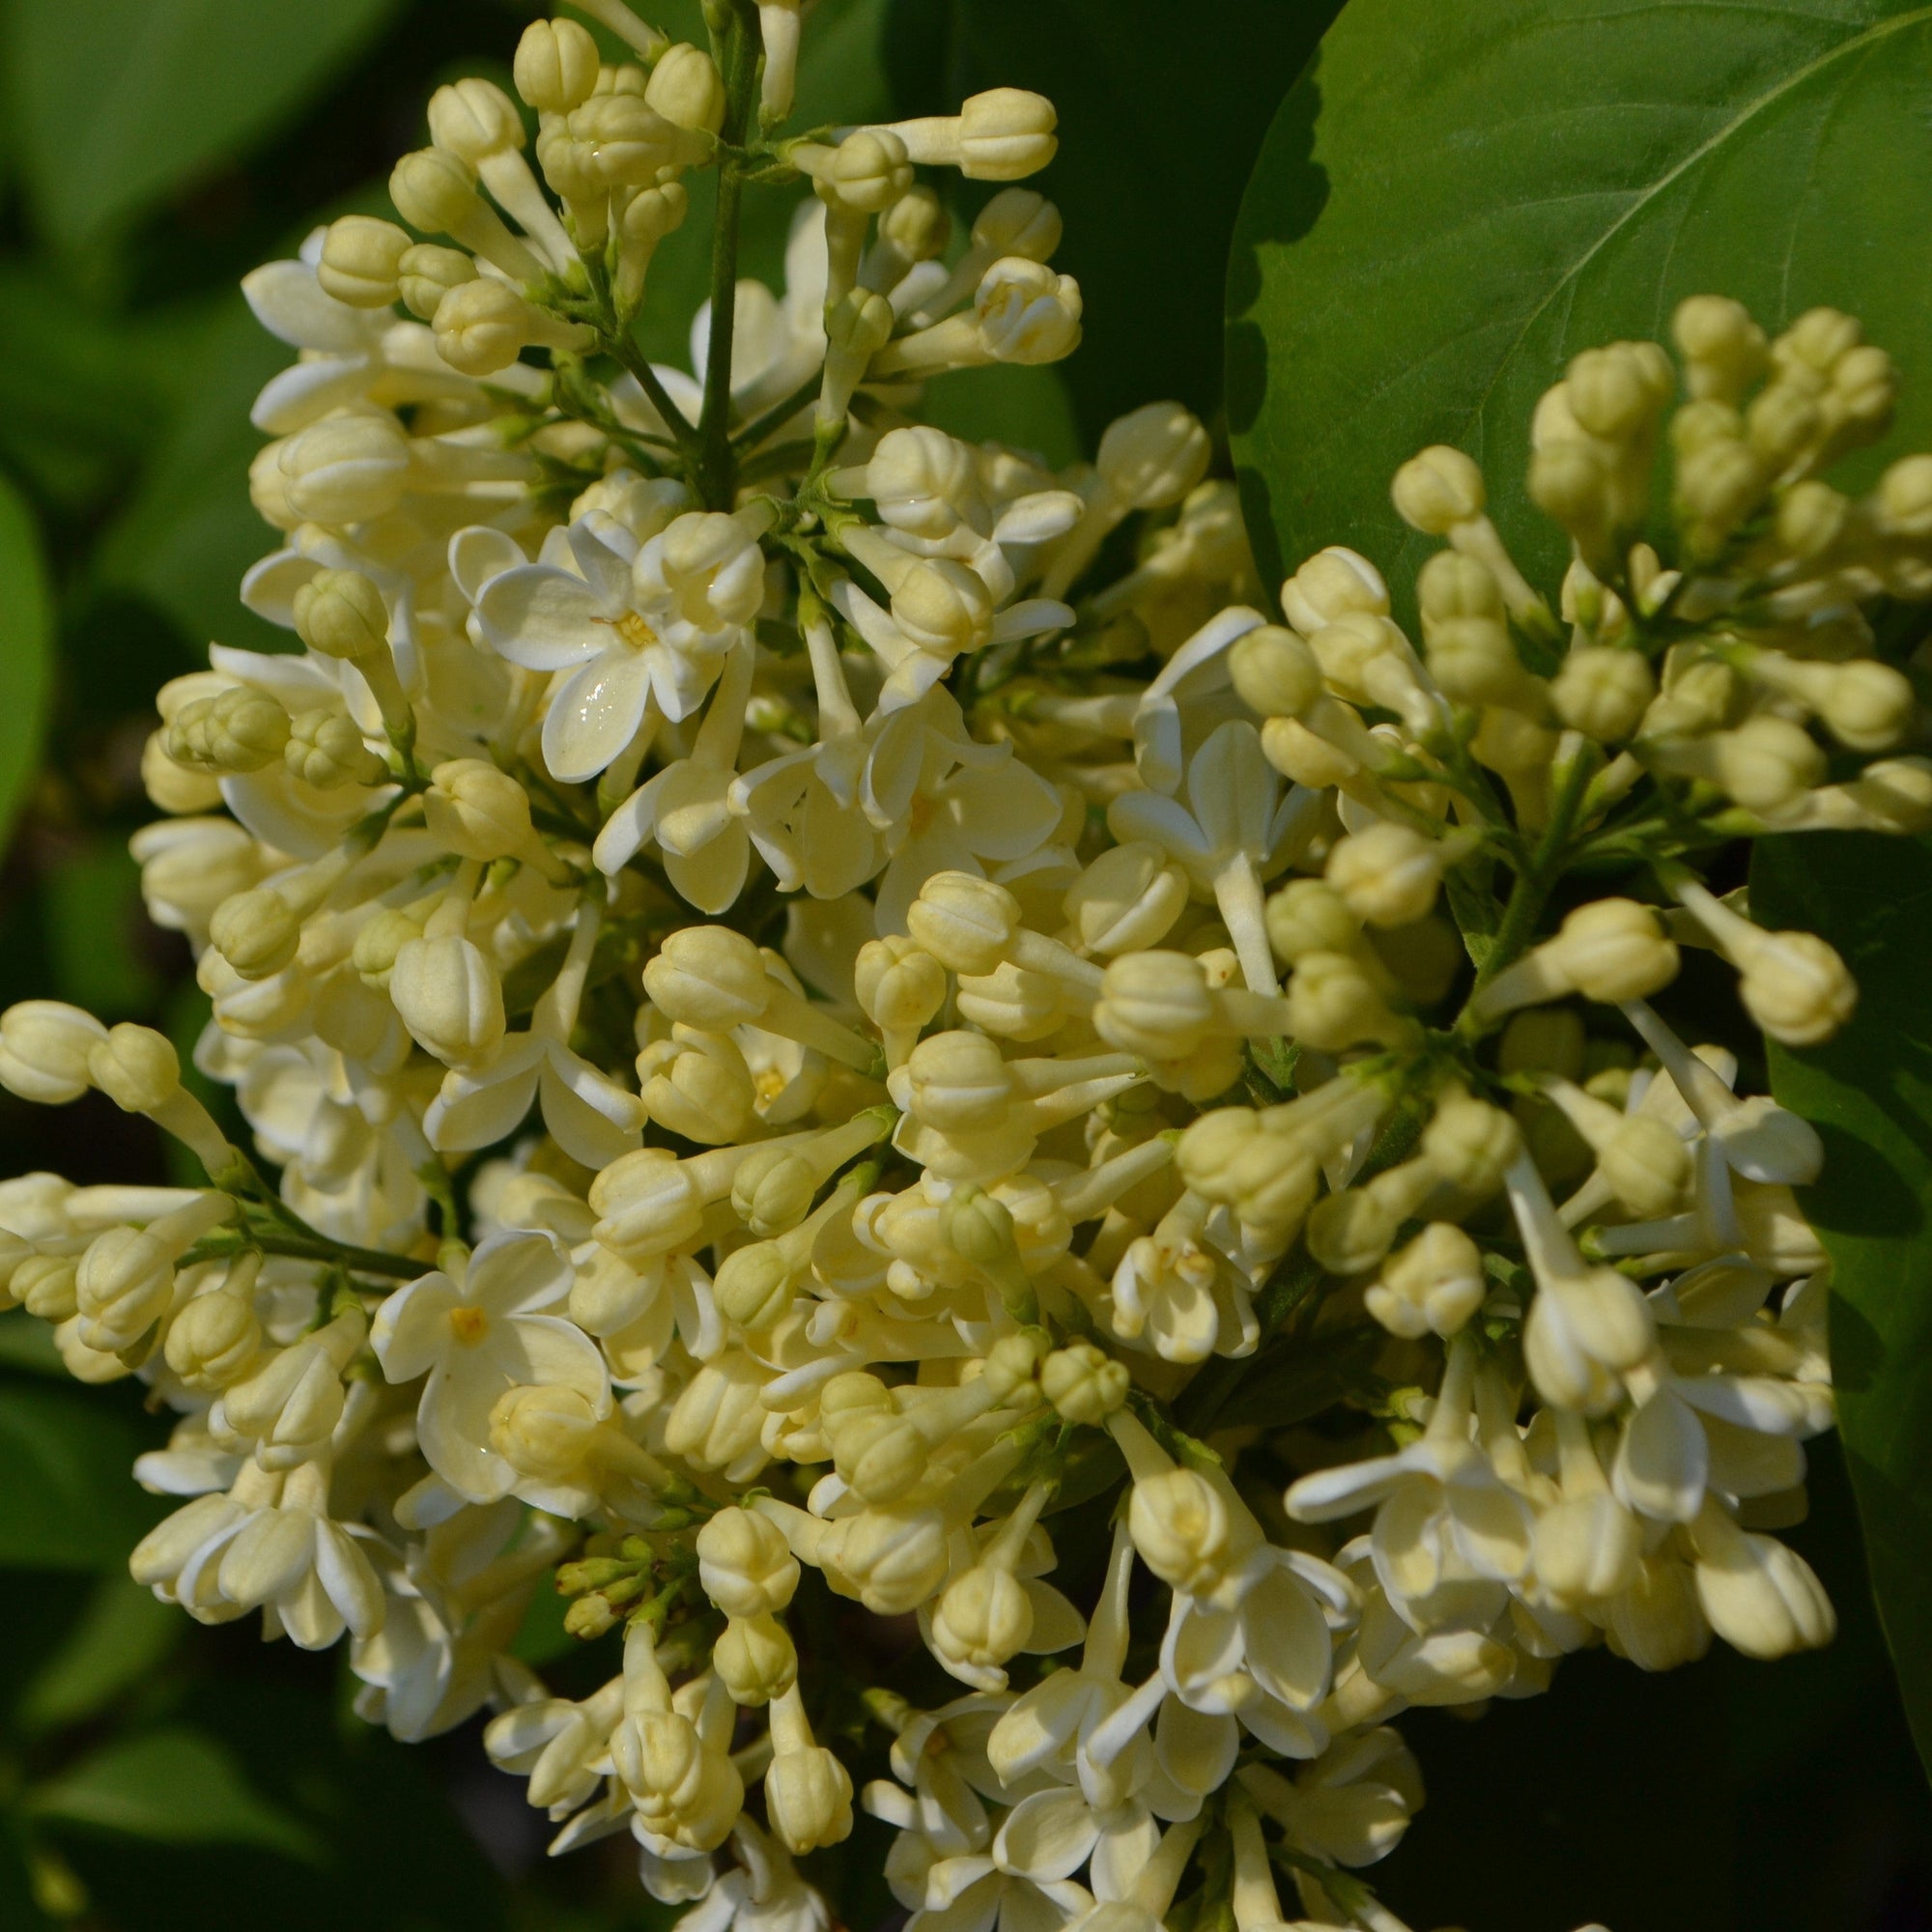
[469, 1325]
[633, 628]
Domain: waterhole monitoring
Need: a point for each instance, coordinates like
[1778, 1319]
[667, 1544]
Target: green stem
[716, 463]
[779, 415]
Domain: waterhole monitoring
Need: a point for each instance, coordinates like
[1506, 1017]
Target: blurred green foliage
[153, 1773]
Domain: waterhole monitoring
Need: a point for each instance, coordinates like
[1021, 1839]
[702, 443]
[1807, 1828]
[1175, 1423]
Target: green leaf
[69, 1501]
[93, 910]
[1024, 406]
[1457, 199]
[178, 1787]
[76, 398]
[1161, 112]
[116, 103]
[190, 532]
[27, 1343]
[26, 643]
[121, 1634]
[1870, 1094]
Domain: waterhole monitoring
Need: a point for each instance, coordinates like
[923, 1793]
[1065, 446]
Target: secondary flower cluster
[752, 932]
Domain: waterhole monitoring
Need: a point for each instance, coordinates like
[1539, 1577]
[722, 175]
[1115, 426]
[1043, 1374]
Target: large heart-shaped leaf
[1458, 198]
[1870, 1094]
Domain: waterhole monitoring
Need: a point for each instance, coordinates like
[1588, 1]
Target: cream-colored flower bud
[448, 996]
[1602, 691]
[1903, 499]
[1473, 662]
[699, 1087]
[958, 1081]
[433, 191]
[866, 172]
[136, 1067]
[682, 1790]
[1386, 874]
[475, 119]
[1310, 916]
[172, 786]
[967, 924]
[1017, 221]
[546, 1432]
[477, 811]
[686, 90]
[900, 987]
[213, 1340]
[771, 1190]
[922, 480]
[122, 1287]
[1152, 457]
[755, 1284]
[1469, 1143]
[1615, 950]
[1797, 988]
[808, 1798]
[1027, 313]
[427, 273]
[894, 1558]
[1762, 1598]
[1434, 1285]
[745, 1565]
[944, 608]
[708, 976]
[1767, 762]
[1646, 1165]
[757, 1659]
[44, 1050]
[341, 614]
[1586, 1549]
[1717, 486]
[711, 563]
[1186, 1532]
[1866, 705]
[983, 1618]
[326, 750]
[1616, 391]
[1275, 672]
[1334, 1002]
[879, 1453]
[1127, 899]
[1436, 490]
[46, 1286]
[345, 469]
[1005, 135]
[361, 259]
[1084, 1385]
[917, 226]
[1723, 347]
[377, 943]
[555, 66]
[243, 729]
[257, 931]
[1810, 517]
[1350, 1232]
[1158, 1005]
[482, 327]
